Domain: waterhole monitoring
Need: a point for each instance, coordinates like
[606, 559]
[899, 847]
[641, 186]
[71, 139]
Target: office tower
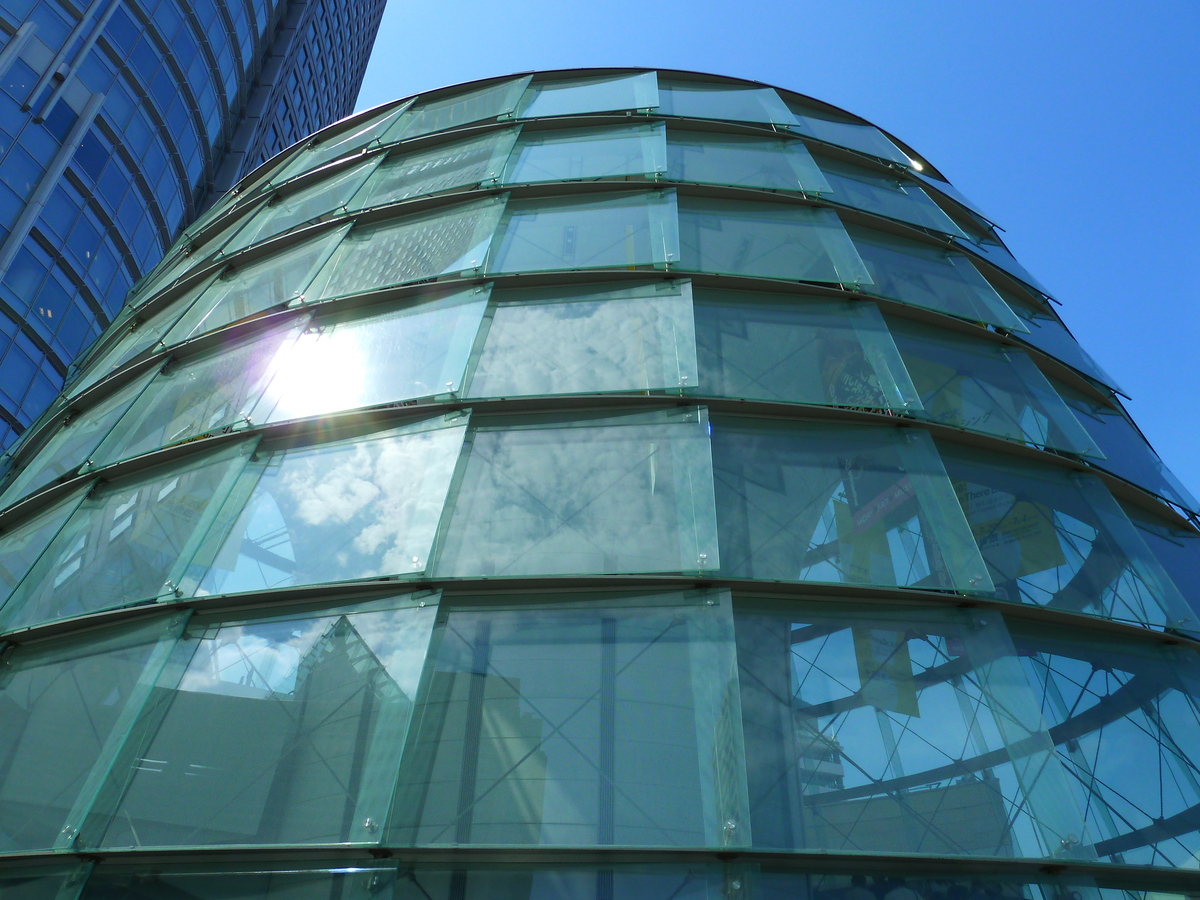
[119, 122]
[608, 484]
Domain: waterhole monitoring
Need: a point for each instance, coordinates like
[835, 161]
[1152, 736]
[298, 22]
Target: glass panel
[73, 443]
[446, 241]
[617, 230]
[884, 195]
[195, 397]
[256, 287]
[1123, 717]
[896, 730]
[930, 277]
[248, 881]
[1177, 550]
[707, 100]
[331, 145]
[427, 116]
[589, 153]
[982, 385]
[552, 725]
[843, 504]
[558, 881]
[463, 164]
[141, 335]
[1056, 538]
[372, 357]
[23, 543]
[280, 730]
[603, 93]
[586, 340]
[828, 127]
[999, 256]
[760, 346]
[949, 190]
[775, 164]
[63, 703]
[361, 508]
[127, 541]
[1048, 334]
[288, 209]
[629, 493]
[1127, 454]
[767, 240]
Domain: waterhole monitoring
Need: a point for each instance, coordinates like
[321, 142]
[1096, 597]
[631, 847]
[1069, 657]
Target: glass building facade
[614, 484]
[119, 121]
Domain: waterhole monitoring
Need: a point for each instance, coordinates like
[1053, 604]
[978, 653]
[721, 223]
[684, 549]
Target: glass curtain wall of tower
[118, 121]
[600, 483]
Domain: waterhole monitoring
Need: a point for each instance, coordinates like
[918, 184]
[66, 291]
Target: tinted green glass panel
[1056, 538]
[706, 100]
[843, 504]
[334, 512]
[1047, 333]
[587, 339]
[550, 725]
[1126, 452]
[603, 93]
[343, 880]
[606, 881]
[981, 385]
[999, 256]
[257, 287]
[61, 882]
[331, 146]
[126, 543]
[139, 335]
[287, 209]
[64, 702]
[894, 730]
[413, 248]
[72, 444]
[760, 346]
[595, 232]
[767, 240]
[772, 163]
[589, 153]
[828, 127]
[1176, 548]
[1123, 715]
[463, 164]
[194, 397]
[630, 493]
[427, 116]
[884, 195]
[24, 542]
[373, 358]
[280, 730]
[930, 277]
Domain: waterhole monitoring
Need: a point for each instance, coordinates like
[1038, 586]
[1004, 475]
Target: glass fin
[331, 146]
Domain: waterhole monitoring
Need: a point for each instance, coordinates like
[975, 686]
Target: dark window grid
[117, 238]
[76, 280]
[29, 334]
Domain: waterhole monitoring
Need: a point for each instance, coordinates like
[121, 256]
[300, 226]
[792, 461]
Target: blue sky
[1075, 126]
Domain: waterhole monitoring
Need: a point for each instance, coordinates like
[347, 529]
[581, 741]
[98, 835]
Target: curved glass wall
[620, 482]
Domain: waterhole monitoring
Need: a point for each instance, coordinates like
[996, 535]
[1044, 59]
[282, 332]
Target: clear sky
[1075, 126]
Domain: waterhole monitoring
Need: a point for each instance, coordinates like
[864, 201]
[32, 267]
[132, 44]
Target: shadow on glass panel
[610, 722]
[1057, 538]
[760, 346]
[583, 494]
[842, 504]
[284, 729]
[588, 340]
[896, 730]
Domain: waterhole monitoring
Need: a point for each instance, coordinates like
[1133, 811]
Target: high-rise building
[614, 484]
[119, 121]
